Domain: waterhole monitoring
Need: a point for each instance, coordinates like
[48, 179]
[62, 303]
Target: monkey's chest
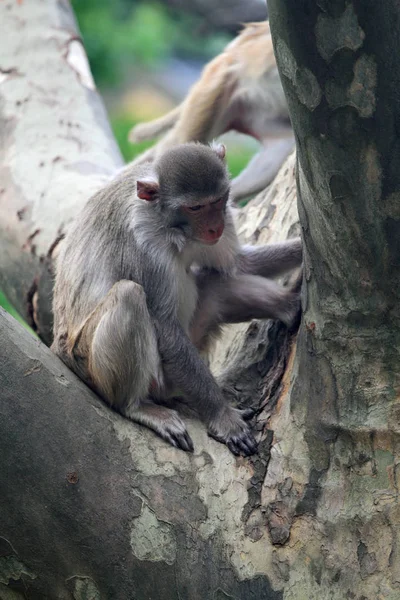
[186, 297]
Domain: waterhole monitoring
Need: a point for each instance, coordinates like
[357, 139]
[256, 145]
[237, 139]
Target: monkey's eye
[195, 208]
[217, 201]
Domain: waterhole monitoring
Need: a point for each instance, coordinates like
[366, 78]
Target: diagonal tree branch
[57, 147]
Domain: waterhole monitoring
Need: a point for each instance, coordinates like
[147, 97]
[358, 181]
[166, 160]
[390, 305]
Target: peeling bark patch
[367, 561]
[361, 92]
[7, 74]
[36, 368]
[77, 59]
[28, 244]
[279, 522]
[373, 166]
[260, 466]
[54, 245]
[309, 503]
[72, 477]
[340, 188]
[12, 568]
[151, 539]
[21, 213]
[304, 81]
[83, 588]
[333, 35]
[391, 206]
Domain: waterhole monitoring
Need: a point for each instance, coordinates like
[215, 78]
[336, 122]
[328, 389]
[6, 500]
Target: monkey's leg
[272, 259]
[123, 361]
[262, 168]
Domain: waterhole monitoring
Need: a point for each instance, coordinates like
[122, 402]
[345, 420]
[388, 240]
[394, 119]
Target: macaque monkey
[240, 89]
[147, 274]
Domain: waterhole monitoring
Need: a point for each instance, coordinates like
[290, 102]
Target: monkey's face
[190, 189]
[205, 222]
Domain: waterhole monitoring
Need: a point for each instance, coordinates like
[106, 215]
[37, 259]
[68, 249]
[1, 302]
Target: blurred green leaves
[10, 309]
[121, 125]
[122, 34]
[126, 36]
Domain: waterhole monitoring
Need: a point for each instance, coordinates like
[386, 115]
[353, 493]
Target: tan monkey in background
[239, 90]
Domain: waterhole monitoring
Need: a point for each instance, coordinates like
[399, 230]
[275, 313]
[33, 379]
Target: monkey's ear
[147, 189]
[219, 149]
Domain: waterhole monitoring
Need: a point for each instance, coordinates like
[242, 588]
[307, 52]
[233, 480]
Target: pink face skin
[207, 220]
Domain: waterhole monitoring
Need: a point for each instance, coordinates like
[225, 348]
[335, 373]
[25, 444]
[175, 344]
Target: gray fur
[136, 298]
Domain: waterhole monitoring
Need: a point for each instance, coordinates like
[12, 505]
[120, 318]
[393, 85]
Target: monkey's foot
[165, 422]
[230, 428]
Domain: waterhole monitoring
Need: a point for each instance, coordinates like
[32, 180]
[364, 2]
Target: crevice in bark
[30, 304]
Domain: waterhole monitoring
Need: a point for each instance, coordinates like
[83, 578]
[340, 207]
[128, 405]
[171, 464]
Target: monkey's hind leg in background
[123, 362]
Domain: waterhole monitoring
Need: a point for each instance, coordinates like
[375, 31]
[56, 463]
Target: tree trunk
[336, 437]
[94, 506]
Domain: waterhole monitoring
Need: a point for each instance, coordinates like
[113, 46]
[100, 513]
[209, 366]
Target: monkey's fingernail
[186, 443]
[232, 447]
[190, 445]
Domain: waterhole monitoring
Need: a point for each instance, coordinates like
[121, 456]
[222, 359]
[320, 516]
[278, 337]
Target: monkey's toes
[244, 444]
[247, 413]
[178, 438]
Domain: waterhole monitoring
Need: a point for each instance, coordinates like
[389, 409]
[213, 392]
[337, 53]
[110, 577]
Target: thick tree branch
[94, 506]
[57, 147]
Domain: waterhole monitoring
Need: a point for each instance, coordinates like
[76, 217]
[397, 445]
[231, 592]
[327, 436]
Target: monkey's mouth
[212, 237]
[207, 242]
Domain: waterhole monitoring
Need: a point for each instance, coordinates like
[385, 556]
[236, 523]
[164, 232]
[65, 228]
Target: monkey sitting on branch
[239, 90]
[147, 275]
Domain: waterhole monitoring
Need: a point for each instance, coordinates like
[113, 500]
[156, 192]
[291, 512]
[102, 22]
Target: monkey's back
[99, 250]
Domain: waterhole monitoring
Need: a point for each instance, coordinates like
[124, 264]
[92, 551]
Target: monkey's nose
[216, 232]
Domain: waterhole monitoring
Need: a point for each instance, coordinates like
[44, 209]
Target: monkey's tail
[150, 130]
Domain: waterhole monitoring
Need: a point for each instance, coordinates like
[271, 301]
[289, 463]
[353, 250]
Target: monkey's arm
[262, 168]
[272, 259]
[184, 367]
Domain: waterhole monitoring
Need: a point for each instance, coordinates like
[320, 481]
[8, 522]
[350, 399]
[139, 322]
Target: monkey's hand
[230, 428]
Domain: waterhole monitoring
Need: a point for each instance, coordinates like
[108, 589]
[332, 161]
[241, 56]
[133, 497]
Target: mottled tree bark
[93, 506]
[337, 442]
[56, 147]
